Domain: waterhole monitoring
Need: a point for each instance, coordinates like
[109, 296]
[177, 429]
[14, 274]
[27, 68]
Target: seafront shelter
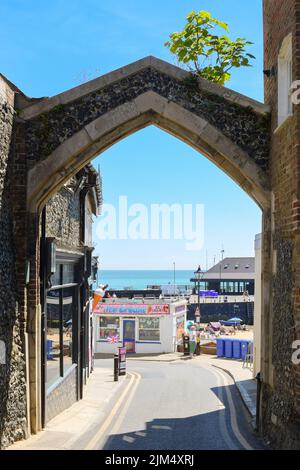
[231, 276]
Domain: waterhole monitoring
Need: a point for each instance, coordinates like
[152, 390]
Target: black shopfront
[66, 321]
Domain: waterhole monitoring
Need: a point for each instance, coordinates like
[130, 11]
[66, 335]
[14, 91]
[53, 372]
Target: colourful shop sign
[131, 309]
[180, 308]
[179, 328]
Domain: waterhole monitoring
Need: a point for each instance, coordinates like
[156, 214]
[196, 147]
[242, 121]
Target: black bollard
[116, 367]
[258, 392]
[186, 345]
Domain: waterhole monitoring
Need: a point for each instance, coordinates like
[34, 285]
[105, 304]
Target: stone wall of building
[13, 421]
[279, 21]
[63, 216]
[281, 391]
[62, 396]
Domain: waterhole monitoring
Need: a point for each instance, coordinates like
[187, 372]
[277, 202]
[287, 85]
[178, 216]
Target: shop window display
[149, 329]
[109, 327]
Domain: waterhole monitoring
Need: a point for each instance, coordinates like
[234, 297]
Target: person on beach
[193, 339]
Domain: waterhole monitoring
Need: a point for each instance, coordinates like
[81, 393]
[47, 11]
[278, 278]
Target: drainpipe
[258, 393]
[43, 294]
[84, 293]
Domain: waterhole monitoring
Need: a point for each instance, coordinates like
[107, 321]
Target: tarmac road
[181, 405]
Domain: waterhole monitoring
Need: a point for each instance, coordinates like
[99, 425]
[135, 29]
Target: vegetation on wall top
[205, 53]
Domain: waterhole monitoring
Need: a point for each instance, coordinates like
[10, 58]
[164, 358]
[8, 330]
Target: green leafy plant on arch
[205, 53]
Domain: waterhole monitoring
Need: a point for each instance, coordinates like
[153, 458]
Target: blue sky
[48, 47]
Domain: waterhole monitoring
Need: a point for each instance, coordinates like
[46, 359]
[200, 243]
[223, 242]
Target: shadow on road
[211, 431]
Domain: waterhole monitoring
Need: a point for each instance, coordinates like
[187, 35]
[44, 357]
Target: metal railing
[141, 300]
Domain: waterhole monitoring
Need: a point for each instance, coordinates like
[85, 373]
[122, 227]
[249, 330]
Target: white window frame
[285, 79]
[151, 329]
[107, 328]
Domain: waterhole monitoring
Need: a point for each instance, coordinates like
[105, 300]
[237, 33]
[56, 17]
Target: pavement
[166, 357]
[63, 431]
[163, 392]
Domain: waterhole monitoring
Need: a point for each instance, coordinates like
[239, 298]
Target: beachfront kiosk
[143, 327]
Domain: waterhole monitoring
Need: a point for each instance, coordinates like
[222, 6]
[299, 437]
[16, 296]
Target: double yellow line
[130, 389]
[226, 383]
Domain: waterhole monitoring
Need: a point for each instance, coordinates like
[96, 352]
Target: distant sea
[138, 279]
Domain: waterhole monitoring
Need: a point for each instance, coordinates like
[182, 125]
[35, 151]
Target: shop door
[129, 335]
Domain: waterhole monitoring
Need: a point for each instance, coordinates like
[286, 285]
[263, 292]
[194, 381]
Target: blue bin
[236, 349]
[49, 349]
[244, 348]
[220, 347]
[228, 348]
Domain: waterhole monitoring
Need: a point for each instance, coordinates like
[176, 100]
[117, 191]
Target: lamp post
[221, 264]
[198, 277]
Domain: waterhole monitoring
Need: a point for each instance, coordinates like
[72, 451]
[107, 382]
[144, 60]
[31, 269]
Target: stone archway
[68, 130]
[61, 134]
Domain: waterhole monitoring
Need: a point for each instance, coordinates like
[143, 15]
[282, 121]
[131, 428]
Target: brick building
[281, 390]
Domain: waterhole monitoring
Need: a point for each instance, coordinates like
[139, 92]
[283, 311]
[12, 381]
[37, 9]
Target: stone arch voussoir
[48, 175]
[64, 132]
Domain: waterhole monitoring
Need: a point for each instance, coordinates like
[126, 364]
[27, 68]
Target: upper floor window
[285, 79]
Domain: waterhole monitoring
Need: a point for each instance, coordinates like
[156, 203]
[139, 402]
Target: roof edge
[46, 104]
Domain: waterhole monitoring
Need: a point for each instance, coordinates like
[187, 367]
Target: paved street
[180, 405]
[161, 404]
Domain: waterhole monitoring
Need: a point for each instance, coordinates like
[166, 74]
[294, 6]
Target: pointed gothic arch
[63, 133]
[68, 130]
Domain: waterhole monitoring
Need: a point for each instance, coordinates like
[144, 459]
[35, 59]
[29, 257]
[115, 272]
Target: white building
[143, 327]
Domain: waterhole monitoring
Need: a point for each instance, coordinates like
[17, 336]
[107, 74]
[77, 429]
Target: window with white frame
[285, 78]
[149, 329]
[109, 327]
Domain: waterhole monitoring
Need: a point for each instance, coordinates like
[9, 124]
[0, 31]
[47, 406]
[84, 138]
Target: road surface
[181, 405]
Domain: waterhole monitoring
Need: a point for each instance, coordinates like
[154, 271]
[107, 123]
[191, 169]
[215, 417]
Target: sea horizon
[141, 278]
